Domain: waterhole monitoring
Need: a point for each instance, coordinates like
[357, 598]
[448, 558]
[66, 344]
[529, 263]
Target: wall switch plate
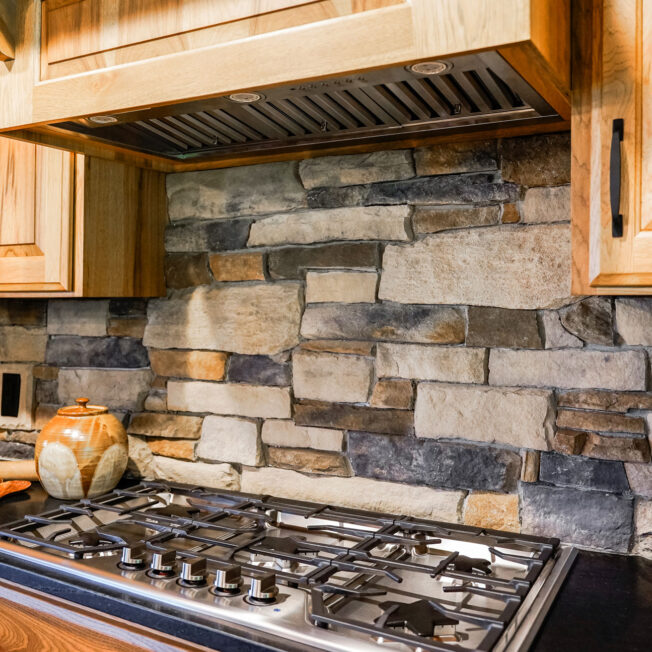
[16, 396]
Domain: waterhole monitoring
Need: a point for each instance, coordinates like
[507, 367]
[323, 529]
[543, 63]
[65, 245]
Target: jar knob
[82, 402]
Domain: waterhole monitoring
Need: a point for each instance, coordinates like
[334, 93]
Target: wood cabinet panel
[36, 205]
[617, 88]
[93, 34]
[73, 225]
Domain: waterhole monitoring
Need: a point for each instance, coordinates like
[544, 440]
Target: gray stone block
[222, 235]
[435, 464]
[258, 370]
[116, 352]
[582, 472]
[586, 518]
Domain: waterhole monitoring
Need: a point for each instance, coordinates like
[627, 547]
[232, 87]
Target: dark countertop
[604, 605]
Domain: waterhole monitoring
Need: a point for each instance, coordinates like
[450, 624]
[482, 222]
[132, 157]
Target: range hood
[438, 96]
[185, 84]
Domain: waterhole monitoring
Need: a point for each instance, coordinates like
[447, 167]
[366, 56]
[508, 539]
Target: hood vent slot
[475, 90]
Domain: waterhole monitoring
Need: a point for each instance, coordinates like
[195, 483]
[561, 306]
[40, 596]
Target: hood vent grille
[475, 90]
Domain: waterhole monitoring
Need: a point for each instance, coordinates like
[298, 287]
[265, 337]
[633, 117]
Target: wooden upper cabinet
[612, 149]
[80, 64]
[36, 216]
[72, 225]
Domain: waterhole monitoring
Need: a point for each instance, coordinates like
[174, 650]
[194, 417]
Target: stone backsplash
[391, 330]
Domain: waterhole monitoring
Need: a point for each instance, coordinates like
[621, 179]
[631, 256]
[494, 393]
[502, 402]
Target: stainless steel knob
[133, 556]
[163, 562]
[228, 579]
[263, 587]
[193, 570]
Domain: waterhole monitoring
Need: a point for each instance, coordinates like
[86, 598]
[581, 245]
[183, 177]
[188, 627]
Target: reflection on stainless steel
[316, 576]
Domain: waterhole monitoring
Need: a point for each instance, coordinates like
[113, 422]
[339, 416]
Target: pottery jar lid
[82, 409]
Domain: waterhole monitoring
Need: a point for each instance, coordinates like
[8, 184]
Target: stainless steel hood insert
[473, 91]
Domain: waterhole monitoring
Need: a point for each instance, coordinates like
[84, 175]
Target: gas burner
[288, 545]
[172, 510]
[91, 539]
[419, 617]
[469, 564]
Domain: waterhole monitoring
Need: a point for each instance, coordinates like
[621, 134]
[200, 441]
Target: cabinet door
[36, 217]
[622, 90]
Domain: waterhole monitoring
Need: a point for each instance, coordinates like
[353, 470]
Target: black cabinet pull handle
[614, 178]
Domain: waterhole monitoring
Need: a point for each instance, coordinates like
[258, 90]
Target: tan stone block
[455, 158]
[634, 320]
[547, 204]
[455, 364]
[510, 214]
[25, 436]
[170, 426]
[237, 267]
[609, 422]
[18, 344]
[643, 524]
[156, 401]
[492, 511]
[505, 267]
[45, 372]
[331, 377]
[392, 394]
[627, 449]
[431, 219]
[253, 319]
[341, 287]
[309, 461]
[356, 169]
[339, 346]
[118, 389]
[571, 368]
[127, 326]
[141, 458]
[186, 270]
[214, 476]
[199, 365]
[43, 414]
[640, 478]
[569, 442]
[518, 417]
[277, 432]
[229, 399]
[530, 467]
[361, 493]
[556, 336]
[182, 449]
[595, 399]
[324, 225]
[226, 439]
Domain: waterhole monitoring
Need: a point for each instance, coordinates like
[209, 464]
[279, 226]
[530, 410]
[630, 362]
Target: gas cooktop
[300, 575]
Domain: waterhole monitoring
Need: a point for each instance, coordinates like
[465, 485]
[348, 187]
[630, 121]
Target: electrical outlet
[16, 396]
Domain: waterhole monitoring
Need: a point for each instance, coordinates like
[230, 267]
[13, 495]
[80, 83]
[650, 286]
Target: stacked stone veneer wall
[392, 330]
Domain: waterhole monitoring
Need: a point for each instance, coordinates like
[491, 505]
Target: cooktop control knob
[163, 563]
[263, 588]
[133, 556]
[193, 571]
[228, 579]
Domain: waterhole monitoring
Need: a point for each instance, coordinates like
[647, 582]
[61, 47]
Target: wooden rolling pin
[18, 470]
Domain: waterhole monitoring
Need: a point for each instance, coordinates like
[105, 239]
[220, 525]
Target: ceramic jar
[82, 452]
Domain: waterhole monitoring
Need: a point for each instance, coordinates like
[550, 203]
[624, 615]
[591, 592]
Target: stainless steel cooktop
[300, 575]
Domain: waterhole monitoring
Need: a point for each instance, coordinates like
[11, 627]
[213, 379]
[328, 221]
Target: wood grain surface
[31, 621]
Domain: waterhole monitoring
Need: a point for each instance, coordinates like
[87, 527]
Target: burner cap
[92, 538]
[173, 510]
[419, 617]
[288, 545]
[469, 564]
